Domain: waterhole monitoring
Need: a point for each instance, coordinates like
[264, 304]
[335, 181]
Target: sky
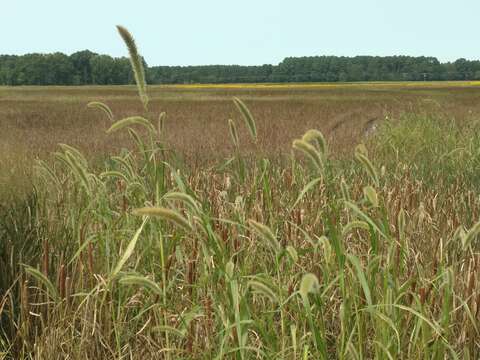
[247, 32]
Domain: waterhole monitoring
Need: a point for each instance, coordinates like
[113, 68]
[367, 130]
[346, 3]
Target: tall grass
[376, 256]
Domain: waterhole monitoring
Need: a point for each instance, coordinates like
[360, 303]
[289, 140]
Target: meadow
[35, 120]
[322, 221]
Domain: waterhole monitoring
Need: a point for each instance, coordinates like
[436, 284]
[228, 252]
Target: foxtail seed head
[311, 152]
[233, 133]
[137, 64]
[247, 116]
[166, 214]
[317, 139]
[265, 232]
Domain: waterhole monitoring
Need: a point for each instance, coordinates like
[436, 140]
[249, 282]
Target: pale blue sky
[196, 32]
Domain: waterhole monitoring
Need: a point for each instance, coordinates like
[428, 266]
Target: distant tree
[82, 66]
[59, 69]
[464, 69]
[86, 67]
[7, 69]
[122, 71]
[103, 67]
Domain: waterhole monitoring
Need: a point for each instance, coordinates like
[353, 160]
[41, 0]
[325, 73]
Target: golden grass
[260, 257]
[376, 84]
[40, 117]
[34, 120]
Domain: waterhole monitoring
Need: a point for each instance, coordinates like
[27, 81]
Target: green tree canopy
[86, 67]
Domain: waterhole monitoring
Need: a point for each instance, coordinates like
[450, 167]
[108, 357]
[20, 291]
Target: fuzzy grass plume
[166, 214]
[247, 116]
[233, 133]
[315, 137]
[310, 151]
[137, 64]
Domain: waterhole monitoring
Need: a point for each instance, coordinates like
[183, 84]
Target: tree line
[88, 68]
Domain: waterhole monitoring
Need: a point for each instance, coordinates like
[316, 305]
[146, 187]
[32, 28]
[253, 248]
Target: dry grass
[255, 258]
[34, 120]
[41, 117]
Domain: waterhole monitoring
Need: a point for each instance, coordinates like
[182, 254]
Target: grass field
[35, 120]
[188, 238]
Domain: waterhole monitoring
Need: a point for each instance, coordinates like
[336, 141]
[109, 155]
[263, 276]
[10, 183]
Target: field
[188, 236]
[35, 120]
